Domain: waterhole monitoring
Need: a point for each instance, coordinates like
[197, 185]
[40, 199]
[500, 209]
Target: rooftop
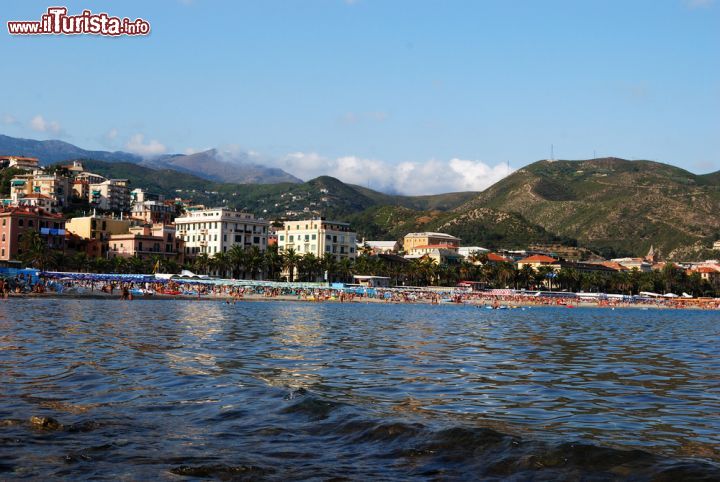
[538, 258]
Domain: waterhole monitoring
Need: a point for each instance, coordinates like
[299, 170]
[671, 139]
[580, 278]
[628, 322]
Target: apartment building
[147, 241]
[110, 195]
[15, 221]
[425, 239]
[319, 237]
[17, 162]
[153, 212]
[217, 230]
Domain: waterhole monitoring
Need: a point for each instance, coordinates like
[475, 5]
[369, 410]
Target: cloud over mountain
[412, 178]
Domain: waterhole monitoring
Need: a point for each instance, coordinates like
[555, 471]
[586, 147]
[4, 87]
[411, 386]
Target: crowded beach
[34, 283]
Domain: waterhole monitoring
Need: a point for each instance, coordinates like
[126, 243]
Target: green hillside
[323, 196]
[611, 204]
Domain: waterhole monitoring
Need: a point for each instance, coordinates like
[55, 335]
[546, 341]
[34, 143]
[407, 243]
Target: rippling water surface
[278, 390]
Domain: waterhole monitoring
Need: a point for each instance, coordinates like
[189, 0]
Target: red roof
[36, 195]
[706, 269]
[614, 265]
[538, 258]
[496, 258]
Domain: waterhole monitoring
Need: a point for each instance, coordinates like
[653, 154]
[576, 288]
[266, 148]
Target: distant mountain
[53, 151]
[323, 196]
[215, 165]
[611, 204]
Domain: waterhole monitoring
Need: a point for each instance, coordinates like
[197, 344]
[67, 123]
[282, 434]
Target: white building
[110, 195]
[380, 247]
[18, 162]
[319, 237]
[217, 230]
[467, 251]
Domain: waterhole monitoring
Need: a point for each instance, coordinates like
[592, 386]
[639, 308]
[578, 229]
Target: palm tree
[35, 251]
[329, 266]
[273, 261]
[290, 262]
[220, 263]
[345, 269]
[237, 258]
[202, 263]
[254, 260]
[136, 264]
[309, 267]
[80, 261]
[505, 274]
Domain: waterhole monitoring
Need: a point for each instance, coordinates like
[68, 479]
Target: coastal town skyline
[387, 97]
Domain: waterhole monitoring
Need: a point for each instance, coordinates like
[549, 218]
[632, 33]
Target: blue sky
[411, 96]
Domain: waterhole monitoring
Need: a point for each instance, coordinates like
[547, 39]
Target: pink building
[146, 241]
[15, 221]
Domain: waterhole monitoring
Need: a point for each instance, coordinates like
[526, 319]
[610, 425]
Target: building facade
[153, 212]
[412, 240]
[212, 231]
[319, 237]
[147, 241]
[53, 186]
[16, 221]
[98, 230]
[17, 162]
[110, 195]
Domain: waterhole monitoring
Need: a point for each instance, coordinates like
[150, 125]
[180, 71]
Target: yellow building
[414, 240]
[55, 187]
[538, 260]
[97, 227]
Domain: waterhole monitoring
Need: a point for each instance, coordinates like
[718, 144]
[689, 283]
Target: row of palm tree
[272, 264]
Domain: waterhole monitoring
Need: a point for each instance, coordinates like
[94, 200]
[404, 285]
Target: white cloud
[111, 135]
[698, 3]
[137, 145]
[9, 120]
[39, 124]
[412, 178]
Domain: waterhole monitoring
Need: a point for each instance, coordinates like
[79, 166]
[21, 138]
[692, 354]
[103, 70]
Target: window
[225, 238]
[290, 240]
[3, 237]
[314, 236]
[282, 238]
[307, 237]
[30, 223]
[20, 222]
[256, 240]
[4, 221]
[3, 253]
[238, 238]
